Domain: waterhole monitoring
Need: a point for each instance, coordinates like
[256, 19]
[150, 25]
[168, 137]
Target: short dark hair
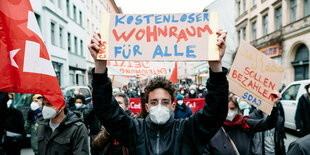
[124, 96]
[160, 82]
[81, 97]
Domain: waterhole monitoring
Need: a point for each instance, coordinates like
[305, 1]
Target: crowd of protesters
[225, 125]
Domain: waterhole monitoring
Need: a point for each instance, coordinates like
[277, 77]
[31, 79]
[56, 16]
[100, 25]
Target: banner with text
[132, 68]
[253, 76]
[194, 103]
[159, 37]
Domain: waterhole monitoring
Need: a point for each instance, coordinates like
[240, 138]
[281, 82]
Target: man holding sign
[159, 132]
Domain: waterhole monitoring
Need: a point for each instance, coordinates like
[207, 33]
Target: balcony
[269, 39]
[297, 27]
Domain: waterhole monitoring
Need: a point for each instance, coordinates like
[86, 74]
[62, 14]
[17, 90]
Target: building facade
[226, 13]
[67, 26]
[280, 29]
[52, 21]
[93, 12]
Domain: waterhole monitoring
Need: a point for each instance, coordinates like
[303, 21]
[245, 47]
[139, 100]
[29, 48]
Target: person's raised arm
[112, 117]
[95, 43]
[259, 125]
[202, 126]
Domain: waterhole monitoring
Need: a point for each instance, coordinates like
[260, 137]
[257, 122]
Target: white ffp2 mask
[48, 112]
[231, 115]
[159, 114]
[34, 106]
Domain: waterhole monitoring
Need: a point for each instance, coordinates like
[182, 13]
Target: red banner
[194, 103]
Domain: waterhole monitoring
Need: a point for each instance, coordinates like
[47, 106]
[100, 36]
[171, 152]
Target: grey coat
[69, 138]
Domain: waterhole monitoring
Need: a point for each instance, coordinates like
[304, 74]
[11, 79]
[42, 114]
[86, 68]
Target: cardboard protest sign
[159, 37]
[194, 103]
[132, 68]
[253, 76]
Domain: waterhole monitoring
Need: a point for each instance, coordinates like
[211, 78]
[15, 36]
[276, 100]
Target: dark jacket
[181, 136]
[182, 111]
[221, 145]
[278, 136]
[90, 119]
[69, 138]
[14, 121]
[300, 146]
[302, 116]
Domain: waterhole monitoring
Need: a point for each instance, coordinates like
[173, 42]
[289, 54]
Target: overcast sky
[161, 6]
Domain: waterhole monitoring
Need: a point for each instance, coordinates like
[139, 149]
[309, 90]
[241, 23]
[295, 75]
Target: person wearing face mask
[183, 91]
[235, 135]
[61, 132]
[302, 116]
[71, 102]
[269, 142]
[201, 91]
[192, 92]
[181, 109]
[31, 125]
[159, 132]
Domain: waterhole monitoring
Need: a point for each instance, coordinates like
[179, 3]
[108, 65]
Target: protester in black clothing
[237, 131]
[14, 130]
[270, 141]
[159, 132]
[3, 108]
[201, 91]
[302, 116]
[192, 92]
[300, 146]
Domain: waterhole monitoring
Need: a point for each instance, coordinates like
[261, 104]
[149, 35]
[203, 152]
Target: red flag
[25, 65]
[174, 74]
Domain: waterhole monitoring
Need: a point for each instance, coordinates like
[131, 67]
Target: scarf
[238, 122]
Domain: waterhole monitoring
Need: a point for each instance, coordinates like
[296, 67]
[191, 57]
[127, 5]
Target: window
[74, 12]
[244, 33]
[239, 8]
[68, 8]
[278, 17]
[254, 2]
[306, 8]
[53, 33]
[239, 36]
[265, 24]
[244, 5]
[79, 79]
[81, 46]
[75, 45]
[291, 92]
[52, 1]
[38, 18]
[301, 63]
[57, 69]
[61, 37]
[254, 30]
[72, 81]
[293, 11]
[81, 18]
[59, 4]
[69, 41]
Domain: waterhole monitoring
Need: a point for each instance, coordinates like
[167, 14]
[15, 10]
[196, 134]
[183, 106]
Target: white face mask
[309, 90]
[200, 88]
[78, 105]
[182, 92]
[76, 92]
[49, 112]
[180, 102]
[9, 103]
[231, 115]
[34, 106]
[159, 114]
[192, 91]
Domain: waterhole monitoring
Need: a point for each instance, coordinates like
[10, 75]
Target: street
[290, 138]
